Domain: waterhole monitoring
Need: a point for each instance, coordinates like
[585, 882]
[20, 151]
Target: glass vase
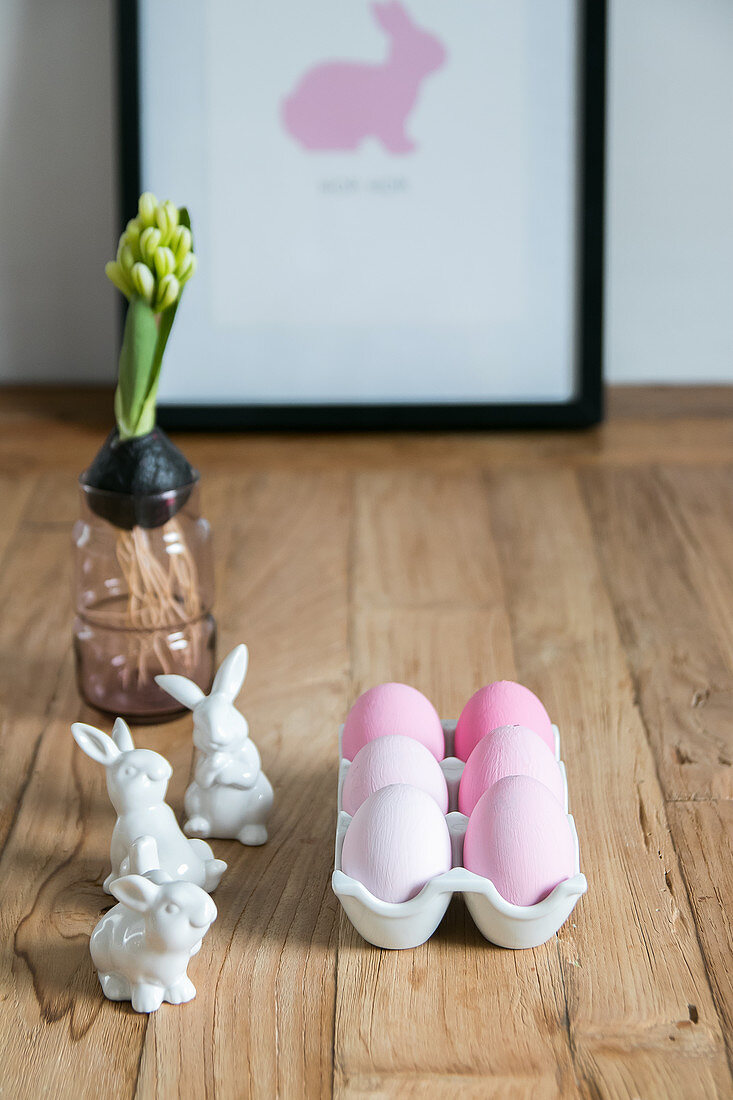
[144, 589]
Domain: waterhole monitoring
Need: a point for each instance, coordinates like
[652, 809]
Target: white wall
[669, 264]
[58, 316]
[669, 283]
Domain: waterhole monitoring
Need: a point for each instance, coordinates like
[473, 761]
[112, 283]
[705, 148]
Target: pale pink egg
[396, 842]
[393, 759]
[392, 709]
[519, 836]
[502, 703]
[509, 750]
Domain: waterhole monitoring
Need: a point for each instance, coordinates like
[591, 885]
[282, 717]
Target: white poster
[382, 197]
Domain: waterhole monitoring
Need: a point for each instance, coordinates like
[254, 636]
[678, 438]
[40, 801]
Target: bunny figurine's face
[177, 914]
[181, 915]
[217, 725]
[138, 780]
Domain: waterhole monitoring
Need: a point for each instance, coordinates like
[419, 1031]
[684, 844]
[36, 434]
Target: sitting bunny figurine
[230, 796]
[137, 780]
[141, 947]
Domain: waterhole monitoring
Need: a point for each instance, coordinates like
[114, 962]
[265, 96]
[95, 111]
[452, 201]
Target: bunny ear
[181, 689]
[135, 891]
[232, 671]
[390, 14]
[121, 735]
[95, 743]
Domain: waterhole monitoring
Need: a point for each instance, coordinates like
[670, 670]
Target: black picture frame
[584, 410]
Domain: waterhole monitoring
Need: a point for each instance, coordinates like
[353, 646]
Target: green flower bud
[143, 282]
[165, 262]
[118, 278]
[180, 242]
[168, 291]
[147, 204]
[166, 216]
[131, 237]
[125, 257]
[185, 270]
[149, 241]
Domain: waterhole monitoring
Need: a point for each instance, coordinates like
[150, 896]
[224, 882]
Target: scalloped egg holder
[405, 924]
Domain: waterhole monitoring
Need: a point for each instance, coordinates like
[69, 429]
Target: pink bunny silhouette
[338, 104]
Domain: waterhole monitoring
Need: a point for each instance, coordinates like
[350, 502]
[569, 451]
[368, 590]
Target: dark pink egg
[502, 703]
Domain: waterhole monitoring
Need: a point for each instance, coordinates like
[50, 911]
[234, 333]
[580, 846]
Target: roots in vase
[163, 595]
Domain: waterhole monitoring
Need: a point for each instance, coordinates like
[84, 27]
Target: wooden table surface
[596, 567]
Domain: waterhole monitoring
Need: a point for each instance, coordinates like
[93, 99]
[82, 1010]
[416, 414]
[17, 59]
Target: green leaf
[137, 359]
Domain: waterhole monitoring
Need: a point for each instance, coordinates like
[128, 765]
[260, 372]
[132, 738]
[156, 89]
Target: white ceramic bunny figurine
[230, 796]
[137, 780]
[142, 946]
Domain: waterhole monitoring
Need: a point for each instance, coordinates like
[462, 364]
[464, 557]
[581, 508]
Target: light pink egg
[509, 750]
[519, 837]
[396, 842]
[502, 703]
[392, 709]
[388, 760]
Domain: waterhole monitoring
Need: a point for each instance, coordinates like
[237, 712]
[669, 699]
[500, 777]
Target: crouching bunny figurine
[230, 796]
[141, 947]
[137, 780]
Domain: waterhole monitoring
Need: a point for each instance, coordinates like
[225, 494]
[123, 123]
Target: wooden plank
[631, 961]
[703, 833]
[454, 1013]
[14, 495]
[637, 403]
[417, 540]
[700, 506]
[35, 586]
[262, 1022]
[680, 645]
[666, 562]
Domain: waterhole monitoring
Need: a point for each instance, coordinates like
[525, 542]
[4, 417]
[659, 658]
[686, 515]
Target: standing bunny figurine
[137, 780]
[230, 796]
[142, 946]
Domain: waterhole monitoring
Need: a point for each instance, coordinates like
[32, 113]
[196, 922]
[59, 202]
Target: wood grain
[703, 833]
[632, 965]
[668, 574]
[593, 566]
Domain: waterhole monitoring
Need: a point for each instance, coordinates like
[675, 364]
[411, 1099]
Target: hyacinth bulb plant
[155, 260]
[143, 558]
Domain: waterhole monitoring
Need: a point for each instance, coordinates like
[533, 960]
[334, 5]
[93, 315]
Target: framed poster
[397, 207]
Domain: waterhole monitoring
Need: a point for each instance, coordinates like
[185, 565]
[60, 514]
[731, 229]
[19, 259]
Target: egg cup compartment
[404, 924]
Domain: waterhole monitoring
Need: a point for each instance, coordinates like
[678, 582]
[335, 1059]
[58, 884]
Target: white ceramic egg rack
[409, 923]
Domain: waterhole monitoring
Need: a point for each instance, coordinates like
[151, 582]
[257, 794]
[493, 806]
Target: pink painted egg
[502, 703]
[519, 837]
[392, 709]
[388, 760]
[509, 750]
[396, 842]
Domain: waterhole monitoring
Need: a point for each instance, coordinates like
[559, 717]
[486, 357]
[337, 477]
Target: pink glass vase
[143, 597]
